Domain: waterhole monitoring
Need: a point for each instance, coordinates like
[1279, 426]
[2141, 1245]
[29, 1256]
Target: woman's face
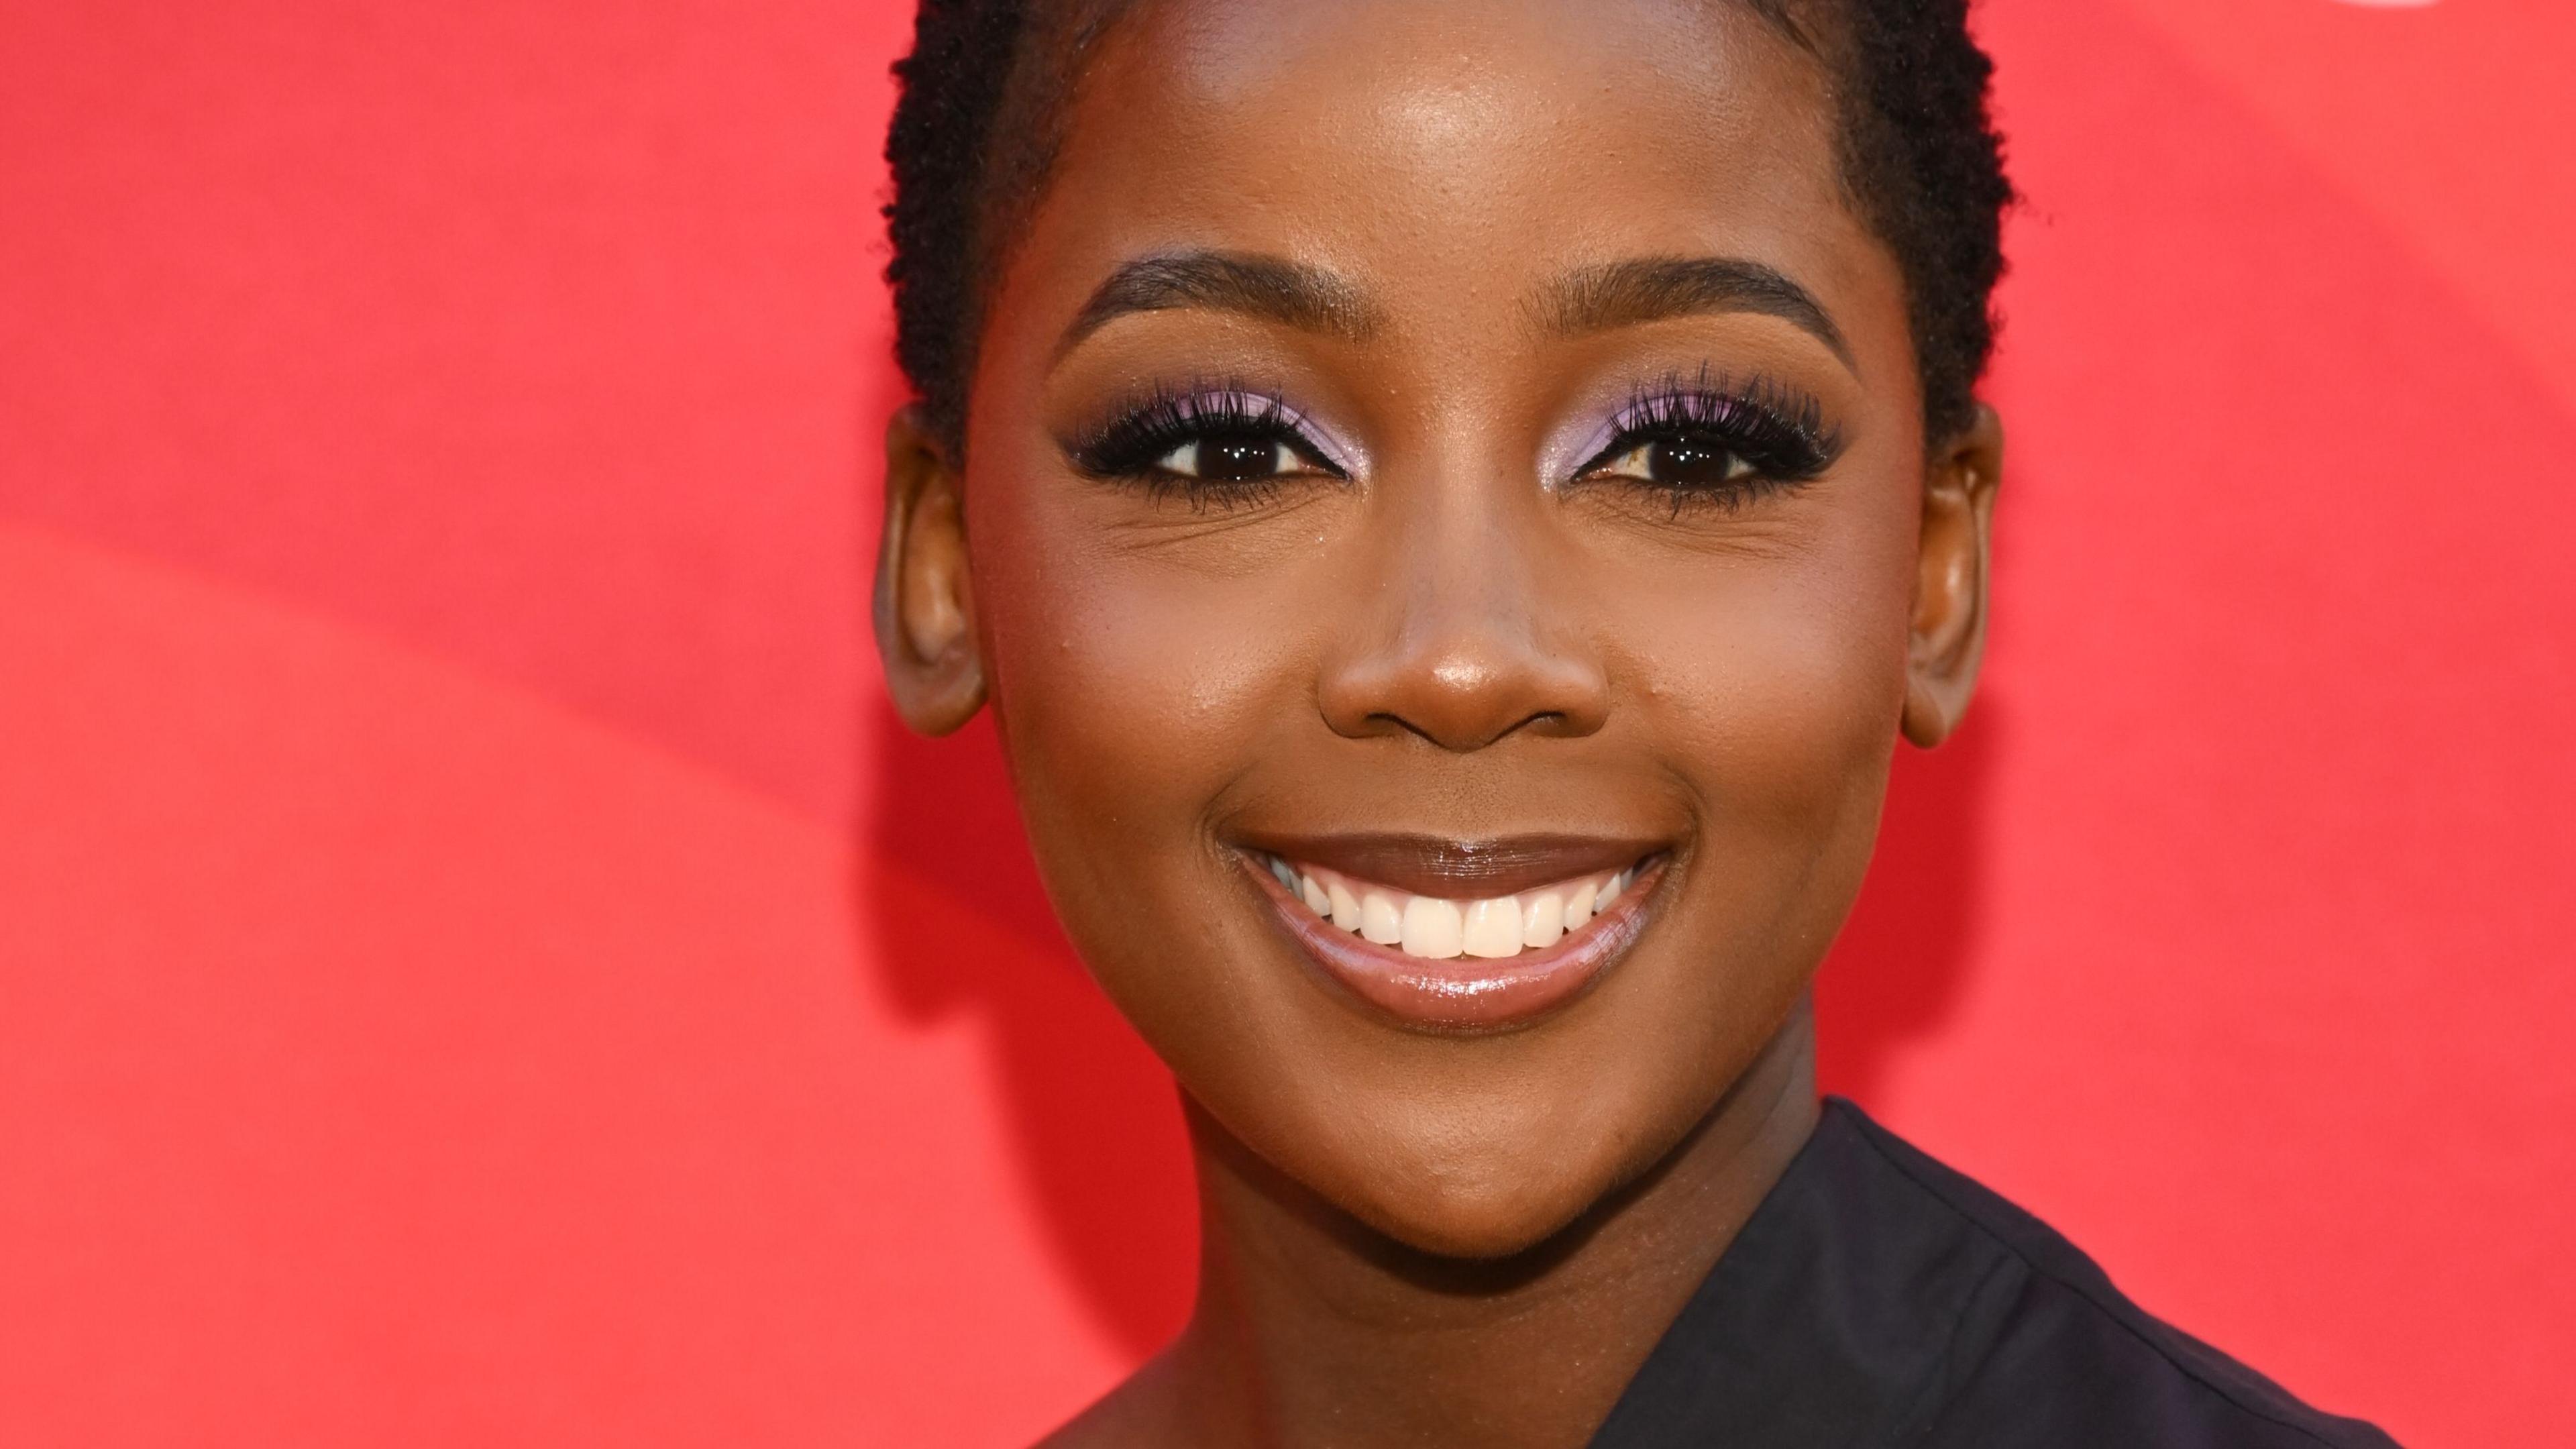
[1461, 463]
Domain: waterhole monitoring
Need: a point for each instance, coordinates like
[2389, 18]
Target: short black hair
[1920, 158]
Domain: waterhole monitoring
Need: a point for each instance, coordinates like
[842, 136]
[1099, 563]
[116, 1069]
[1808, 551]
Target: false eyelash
[1777, 429]
[1135, 436]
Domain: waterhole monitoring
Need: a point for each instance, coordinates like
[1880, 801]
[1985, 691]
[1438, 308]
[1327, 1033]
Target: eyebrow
[1651, 289]
[1271, 288]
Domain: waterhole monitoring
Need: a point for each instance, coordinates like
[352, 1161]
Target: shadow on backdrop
[1902, 961]
[1093, 1116]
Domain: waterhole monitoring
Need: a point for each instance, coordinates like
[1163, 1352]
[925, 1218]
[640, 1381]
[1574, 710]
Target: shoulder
[2053, 1354]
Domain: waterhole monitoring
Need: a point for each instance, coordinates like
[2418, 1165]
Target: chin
[1499, 1206]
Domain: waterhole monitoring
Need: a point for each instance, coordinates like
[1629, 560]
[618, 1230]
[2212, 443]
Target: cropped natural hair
[983, 90]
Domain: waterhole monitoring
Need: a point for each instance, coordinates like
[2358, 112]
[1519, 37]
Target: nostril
[1464, 700]
[1460, 735]
[1462, 670]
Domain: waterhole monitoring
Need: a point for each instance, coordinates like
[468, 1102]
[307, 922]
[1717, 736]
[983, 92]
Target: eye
[1228, 444]
[1711, 441]
[1234, 456]
[1678, 460]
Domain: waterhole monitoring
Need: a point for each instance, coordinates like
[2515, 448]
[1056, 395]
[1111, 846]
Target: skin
[1418, 1236]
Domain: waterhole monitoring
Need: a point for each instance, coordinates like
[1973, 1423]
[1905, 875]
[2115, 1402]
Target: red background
[481, 967]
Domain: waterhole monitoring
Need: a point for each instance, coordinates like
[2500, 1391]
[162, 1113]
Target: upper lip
[1455, 869]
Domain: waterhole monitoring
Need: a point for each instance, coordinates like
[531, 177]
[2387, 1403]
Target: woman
[1452, 505]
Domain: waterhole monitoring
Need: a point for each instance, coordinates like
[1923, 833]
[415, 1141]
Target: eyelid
[1762, 401]
[1172, 410]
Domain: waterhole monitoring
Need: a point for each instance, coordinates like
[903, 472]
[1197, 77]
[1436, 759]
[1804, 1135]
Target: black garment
[1878, 1298]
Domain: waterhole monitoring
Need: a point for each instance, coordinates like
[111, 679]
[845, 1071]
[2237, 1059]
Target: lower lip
[1466, 993]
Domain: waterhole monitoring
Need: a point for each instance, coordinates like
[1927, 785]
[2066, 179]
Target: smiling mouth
[1496, 928]
[1510, 940]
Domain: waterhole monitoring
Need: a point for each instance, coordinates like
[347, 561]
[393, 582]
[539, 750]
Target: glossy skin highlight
[1442, 629]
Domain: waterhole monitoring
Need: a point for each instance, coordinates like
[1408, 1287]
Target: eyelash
[1129, 444]
[1778, 432]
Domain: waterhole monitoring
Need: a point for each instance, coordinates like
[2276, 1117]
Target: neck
[1312, 1328]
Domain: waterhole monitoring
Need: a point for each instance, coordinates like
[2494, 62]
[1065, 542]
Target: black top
[1878, 1298]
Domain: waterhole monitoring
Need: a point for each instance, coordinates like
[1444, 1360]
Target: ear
[924, 608]
[1949, 635]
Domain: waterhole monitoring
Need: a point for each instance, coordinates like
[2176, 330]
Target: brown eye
[1681, 460]
[1235, 457]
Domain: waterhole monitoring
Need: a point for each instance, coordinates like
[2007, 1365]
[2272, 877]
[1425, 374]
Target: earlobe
[924, 607]
[1949, 627]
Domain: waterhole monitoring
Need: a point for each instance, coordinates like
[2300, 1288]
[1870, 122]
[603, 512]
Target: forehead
[1419, 140]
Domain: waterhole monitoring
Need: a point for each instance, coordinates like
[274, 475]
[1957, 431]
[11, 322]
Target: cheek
[1128, 689]
[1772, 688]
[1769, 679]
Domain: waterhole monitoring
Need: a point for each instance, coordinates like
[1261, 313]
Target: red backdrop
[477, 964]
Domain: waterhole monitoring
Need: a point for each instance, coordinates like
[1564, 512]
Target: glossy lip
[1466, 994]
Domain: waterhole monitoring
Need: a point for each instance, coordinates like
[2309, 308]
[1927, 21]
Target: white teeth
[1346, 907]
[1544, 922]
[1432, 928]
[1380, 921]
[1316, 901]
[1493, 928]
[1578, 906]
[1427, 926]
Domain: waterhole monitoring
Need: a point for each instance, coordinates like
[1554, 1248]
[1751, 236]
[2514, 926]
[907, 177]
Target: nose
[1466, 632]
